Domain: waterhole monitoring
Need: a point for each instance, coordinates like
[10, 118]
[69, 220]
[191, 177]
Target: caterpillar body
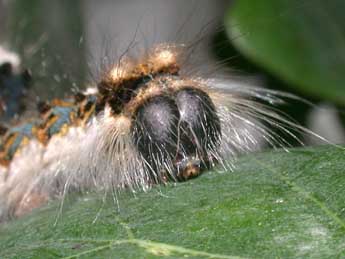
[144, 122]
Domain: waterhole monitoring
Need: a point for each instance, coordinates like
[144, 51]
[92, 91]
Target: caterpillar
[146, 121]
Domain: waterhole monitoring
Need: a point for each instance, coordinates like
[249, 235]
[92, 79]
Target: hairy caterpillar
[146, 121]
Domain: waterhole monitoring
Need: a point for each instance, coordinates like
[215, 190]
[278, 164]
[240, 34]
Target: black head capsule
[178, 137]
[155, 134]
[199, 128]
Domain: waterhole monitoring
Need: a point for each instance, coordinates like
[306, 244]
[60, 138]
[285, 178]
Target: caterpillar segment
[26, 150]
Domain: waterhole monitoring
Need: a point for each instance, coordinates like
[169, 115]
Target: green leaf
[274, 205]
[302, 42]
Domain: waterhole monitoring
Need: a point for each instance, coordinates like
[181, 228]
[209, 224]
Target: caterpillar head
[177, 125]
[174, 124]
[177, 134]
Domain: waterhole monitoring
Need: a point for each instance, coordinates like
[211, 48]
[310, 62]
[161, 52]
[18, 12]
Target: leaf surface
[273, 205]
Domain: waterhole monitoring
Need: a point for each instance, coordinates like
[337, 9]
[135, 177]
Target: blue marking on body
[22, 131]
[63, 114]
[92, 98]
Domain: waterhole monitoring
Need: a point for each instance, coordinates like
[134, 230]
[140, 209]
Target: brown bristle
[4, 162]
[79, 97]
[3, 130]
[163, 59]
[104, 87]
[150, 90]
[43, 107]
[61, 102]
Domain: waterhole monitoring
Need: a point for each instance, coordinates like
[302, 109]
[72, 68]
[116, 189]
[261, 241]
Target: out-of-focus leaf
[302, 42]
